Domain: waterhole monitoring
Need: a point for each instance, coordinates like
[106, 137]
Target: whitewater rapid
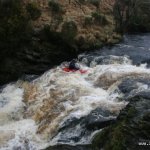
[36, 114]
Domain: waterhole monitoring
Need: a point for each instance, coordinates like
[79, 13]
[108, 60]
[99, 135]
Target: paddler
[73, 65]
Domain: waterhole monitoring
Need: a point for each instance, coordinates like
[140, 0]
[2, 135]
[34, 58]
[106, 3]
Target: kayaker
[73, 65]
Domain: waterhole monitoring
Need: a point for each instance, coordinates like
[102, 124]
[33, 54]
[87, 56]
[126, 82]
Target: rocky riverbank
[132, 125]
[36, 35]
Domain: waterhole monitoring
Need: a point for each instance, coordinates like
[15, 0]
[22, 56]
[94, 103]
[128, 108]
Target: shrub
[95, 2]
[82, 1]
[80, 40]
[15, 28]
[88, 20]
[99, 18]
[55, 6]
[69, 30]
[56, 21]
[33, 11]
[135, 17]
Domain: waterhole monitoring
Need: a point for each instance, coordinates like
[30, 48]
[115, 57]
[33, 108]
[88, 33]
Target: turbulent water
[69, 108]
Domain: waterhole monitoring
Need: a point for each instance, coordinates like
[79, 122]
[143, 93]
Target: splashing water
[56, 107]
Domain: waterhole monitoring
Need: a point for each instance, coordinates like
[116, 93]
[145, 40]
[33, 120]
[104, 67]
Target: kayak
[72, 70]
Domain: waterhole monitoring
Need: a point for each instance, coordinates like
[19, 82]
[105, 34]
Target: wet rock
[71, 122]
[129, 86]
[99, 119]
[76, 130]
[132, 127]
[72, 130]
[145, 95]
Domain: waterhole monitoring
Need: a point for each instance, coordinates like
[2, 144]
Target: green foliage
[55, 6]
[15, 29]
[99, 18]
[132, 15]
[69, 30]
[33, 10]
[57, 14]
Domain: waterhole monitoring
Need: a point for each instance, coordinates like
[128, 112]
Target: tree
[14, 27]
[132, 15]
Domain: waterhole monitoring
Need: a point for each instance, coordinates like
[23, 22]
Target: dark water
[136, 47]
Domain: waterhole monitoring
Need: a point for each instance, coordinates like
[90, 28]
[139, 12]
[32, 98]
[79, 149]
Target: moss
[33, 10]
[131, 112]
[115, 137]
[144, 125]
[110, 138]
[118, 139]
[100, 138]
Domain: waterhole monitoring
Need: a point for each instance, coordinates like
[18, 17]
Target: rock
[129, 86]
[99, 119]
[131, 129]
[75, 129]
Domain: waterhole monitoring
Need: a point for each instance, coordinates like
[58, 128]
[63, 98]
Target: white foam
[24, 135]
[77, 93]
[11, 103]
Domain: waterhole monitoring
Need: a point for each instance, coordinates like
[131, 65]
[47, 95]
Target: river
[70, 108]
